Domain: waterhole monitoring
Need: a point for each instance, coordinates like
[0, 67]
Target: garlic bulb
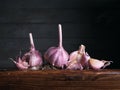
[98, 64]
[33, 56]
[30, 60]
[57, 56]
[78, 59]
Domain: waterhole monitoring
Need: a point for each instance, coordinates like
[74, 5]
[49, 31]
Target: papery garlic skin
[57, 56]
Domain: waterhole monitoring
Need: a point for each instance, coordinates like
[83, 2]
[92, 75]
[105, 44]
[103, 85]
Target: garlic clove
[21, 65]
[84, 60]
[98, 64]
[74, 65]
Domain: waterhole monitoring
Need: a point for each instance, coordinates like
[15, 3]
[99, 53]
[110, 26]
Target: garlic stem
[81, 49]
[31, 41]
[60, 35]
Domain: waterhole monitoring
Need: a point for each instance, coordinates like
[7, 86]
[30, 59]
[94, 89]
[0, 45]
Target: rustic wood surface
[60, 79]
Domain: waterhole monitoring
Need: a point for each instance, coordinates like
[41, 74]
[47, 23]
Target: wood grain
[60, 79]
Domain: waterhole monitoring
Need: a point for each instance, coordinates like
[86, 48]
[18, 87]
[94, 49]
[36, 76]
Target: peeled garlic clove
[98, 64]
[57, 56]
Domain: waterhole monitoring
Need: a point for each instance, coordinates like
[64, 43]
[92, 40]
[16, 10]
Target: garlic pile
[59, 57]
[81, 60]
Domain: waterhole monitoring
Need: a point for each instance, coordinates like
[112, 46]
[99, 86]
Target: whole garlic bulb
[33, 56]
[57, 56]
[30, 60]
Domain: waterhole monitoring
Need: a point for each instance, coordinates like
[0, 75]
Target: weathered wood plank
[60, 79]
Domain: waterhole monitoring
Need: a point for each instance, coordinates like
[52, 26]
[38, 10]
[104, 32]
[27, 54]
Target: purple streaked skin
[57, 56]
[30, 60]
[79, 59]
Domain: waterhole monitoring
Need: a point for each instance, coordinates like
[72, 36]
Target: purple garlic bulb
[31, 59]
[33, 56]
[57, 56]
[78, 59]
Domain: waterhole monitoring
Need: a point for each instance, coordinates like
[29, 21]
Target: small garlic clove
[21, 65]
[98, 64]
[84, 60]
[74, 65]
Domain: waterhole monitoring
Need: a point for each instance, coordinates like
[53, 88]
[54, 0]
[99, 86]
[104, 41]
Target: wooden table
[60, 80]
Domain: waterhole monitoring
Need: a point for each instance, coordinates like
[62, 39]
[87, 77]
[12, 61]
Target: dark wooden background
[94, 23]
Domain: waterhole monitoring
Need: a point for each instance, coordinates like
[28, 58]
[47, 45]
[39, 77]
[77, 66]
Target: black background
[94, 23]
